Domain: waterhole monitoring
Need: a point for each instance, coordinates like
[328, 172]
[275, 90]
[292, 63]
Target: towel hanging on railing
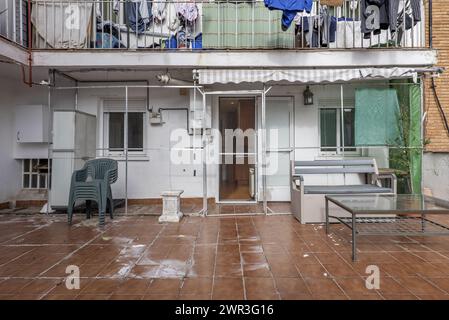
[289, 9]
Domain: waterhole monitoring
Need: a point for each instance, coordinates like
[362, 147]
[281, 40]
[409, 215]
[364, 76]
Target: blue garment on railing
[138, 17]
[289, 9]
[107, 41]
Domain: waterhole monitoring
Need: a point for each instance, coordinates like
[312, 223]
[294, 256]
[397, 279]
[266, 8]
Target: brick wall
[434, 126]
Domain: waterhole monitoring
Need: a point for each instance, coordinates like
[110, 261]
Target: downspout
[430, 25]
[29, 82]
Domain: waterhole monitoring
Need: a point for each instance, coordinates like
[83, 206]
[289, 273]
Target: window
[332, 132]
[115, 128]
[35, 173]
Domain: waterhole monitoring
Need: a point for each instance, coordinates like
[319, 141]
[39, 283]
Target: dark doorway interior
[237, 179]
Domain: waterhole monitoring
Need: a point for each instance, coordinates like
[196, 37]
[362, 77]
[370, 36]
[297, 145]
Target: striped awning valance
[211, 76]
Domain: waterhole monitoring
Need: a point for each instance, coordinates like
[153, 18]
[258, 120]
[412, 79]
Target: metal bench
[308, 199]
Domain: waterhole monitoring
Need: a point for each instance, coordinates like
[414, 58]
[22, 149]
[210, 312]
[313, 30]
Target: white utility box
[74, 142]
[31, 123]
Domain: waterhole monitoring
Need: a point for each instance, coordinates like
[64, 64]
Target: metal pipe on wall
[264, 153]
[125, 145]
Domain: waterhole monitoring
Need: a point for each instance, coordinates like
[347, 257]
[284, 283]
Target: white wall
[13, 93]
[436, 174]
[152, 173]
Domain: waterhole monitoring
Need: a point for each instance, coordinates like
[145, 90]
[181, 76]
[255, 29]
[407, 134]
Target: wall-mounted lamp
[308, 97]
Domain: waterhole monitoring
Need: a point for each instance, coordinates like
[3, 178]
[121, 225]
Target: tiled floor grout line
[269, 268]
[190, 260]
[73, 252]
[26, 233]
[241, 259]
[16, 258]
[313, 253]
[215, 261]
[392, 278]
[137, 260]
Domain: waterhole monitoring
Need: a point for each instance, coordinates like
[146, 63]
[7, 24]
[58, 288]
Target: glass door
[279, 124]
[237, 120]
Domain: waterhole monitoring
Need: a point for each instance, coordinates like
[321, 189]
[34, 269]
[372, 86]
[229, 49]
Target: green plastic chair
[93, 183]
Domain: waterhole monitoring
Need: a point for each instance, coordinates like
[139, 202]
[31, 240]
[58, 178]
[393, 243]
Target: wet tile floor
[244, 257]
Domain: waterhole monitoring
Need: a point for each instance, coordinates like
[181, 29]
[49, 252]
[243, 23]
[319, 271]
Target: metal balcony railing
[202, 25]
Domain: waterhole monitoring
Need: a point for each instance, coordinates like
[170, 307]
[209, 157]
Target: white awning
[211, 76]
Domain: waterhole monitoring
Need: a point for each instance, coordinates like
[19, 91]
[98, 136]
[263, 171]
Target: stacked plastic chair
[93, 183]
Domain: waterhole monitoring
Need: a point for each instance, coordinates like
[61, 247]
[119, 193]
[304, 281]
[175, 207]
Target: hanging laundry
[187, 10]
[377, 15]
[374, 16]
[289, 9]
[412, 13]
[159, 11]
[72, 33]
[138, 13]
[317, 30]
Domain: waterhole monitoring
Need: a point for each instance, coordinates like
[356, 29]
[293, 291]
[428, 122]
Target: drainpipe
[430, 25]
[29, 82]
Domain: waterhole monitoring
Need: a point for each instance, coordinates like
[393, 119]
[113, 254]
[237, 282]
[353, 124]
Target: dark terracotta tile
[59, 297]
[433, 297]
[227, 287]
[12, 286]
[399, 296]
[261, 270]
[360, 296]
[354, 285]
[340, 270]
[295, 296]
[199, 286]
[171, 296]
[284, 270]
[442, 283]
[228, 258]
[164, 286]
[417, 285]
[200, 296]
[39, 286]
[116, 296]
[262, 296]
[132, 286]
[322, 286]
[100, 287]
[252, 258]
[313, 271]
[228, 270]
[292, 285]
[260, 285]
[89, 297]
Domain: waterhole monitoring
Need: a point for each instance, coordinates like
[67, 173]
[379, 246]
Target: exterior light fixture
[308, 97]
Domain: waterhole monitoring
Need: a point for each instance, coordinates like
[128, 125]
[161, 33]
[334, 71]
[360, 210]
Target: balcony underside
[220, 58]
[10, 51]
[236, 59]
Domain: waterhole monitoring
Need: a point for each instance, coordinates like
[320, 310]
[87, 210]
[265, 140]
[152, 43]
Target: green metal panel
[244, 26]
[415, 138]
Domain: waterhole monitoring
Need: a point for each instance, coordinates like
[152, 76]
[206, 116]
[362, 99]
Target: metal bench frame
[310, 208]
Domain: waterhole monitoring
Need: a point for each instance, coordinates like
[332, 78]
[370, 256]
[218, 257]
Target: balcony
[207, 25]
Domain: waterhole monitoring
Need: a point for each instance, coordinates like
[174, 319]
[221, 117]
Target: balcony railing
[202, 25]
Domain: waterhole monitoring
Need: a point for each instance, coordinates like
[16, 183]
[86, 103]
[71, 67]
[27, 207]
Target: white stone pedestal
[171, 206]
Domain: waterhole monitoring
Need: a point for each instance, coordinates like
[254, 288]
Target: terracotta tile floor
[243, 257]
